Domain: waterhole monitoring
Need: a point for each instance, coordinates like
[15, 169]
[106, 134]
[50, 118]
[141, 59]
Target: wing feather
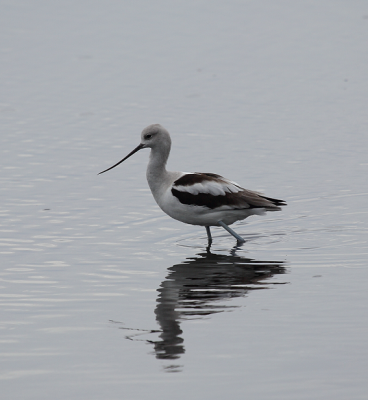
[215, 192]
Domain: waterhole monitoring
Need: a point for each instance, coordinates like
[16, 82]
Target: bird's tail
[276, 202]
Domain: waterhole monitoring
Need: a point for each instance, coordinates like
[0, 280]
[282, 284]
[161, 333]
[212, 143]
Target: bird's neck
[156, 170]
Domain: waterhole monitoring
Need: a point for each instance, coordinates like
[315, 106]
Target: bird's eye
[148, 137]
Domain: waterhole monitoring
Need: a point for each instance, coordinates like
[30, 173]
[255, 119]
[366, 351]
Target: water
[104, 296]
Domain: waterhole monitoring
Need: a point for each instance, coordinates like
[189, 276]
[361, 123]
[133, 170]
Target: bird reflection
[201, 286]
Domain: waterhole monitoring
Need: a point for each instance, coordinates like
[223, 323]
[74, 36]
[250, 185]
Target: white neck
[157, 176]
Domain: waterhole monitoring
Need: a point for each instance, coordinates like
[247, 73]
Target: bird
[197, 198]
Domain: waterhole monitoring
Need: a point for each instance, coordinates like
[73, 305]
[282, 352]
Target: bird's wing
[214, 192]
[197, 183]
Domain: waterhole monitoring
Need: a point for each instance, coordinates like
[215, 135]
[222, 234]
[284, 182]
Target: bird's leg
[236, 236]
[209, 235]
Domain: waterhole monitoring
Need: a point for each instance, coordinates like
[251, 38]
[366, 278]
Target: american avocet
[196, 198]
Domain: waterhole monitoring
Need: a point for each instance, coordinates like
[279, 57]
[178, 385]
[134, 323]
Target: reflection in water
[199, 287]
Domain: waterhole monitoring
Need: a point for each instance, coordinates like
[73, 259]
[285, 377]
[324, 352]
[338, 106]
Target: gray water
[105, 297]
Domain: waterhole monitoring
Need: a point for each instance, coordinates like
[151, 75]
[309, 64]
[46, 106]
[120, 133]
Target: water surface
[104, 296]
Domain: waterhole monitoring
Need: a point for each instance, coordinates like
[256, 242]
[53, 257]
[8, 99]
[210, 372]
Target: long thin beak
[130, 154]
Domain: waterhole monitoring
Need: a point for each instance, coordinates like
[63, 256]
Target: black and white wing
[216, 192]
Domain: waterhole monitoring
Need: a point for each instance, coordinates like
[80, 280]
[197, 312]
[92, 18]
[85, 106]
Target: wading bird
[197, 198]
